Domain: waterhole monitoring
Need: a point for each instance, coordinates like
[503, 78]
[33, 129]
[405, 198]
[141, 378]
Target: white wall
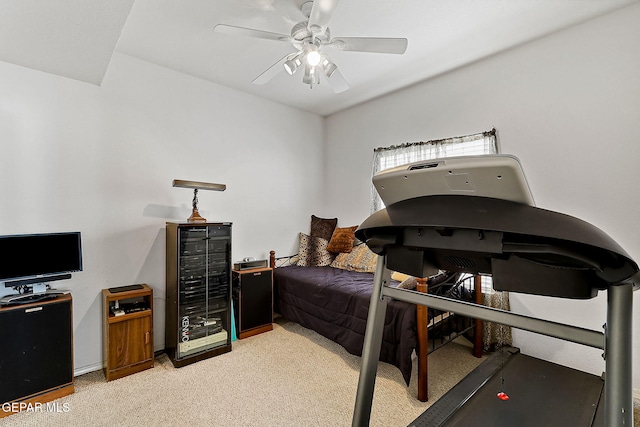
[568, 106]
[101, 160]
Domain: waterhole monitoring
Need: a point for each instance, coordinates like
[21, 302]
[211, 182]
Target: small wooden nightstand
[128, 325]
[253, 301]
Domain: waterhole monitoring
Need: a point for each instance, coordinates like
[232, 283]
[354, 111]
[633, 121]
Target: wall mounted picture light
[197, 185]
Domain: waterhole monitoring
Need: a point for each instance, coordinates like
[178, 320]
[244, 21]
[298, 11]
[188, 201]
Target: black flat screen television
[31, 255]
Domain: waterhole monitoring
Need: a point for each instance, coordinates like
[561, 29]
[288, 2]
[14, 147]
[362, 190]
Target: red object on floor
[503, 396]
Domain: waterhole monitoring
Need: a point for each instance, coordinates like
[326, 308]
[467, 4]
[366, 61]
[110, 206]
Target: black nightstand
[253, 301]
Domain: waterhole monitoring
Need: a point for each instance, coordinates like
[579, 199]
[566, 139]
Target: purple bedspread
[335, 303]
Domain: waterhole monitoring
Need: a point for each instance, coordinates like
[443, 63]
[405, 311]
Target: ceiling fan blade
[321, 14]
[370, 44]
[249, 32]
[337, 81]
[271, 72]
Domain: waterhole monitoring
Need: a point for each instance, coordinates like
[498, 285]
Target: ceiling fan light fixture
[307, 78]
[291, 65]
[311, 76]
[313, 58]
[328, 66]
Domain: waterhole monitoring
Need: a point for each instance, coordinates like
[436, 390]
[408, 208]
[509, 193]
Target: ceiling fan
[311, 38]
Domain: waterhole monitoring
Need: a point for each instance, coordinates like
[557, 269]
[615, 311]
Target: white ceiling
[77, 38]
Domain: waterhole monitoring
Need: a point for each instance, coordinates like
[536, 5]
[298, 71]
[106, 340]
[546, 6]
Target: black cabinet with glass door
[198, 307]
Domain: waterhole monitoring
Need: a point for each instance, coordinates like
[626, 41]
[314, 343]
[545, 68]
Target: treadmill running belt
[540, 394]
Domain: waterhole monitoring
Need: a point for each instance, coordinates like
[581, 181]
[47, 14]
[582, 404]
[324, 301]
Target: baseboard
[98, 366]
[86, 369]
[636, 397]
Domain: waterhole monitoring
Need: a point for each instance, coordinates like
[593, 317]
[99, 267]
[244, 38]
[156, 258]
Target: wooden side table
[128, 325]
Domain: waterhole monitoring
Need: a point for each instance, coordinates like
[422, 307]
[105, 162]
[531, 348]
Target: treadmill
[476, 215]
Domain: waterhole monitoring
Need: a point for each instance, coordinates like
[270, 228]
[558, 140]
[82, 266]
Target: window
[396, 155]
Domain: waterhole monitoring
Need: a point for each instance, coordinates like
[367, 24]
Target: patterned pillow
[342, 239]
[399, 277]
[408, 283]
[312, 252]
[323, 227]
[359, 259]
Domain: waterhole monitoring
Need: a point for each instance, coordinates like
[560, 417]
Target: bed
[335, 301]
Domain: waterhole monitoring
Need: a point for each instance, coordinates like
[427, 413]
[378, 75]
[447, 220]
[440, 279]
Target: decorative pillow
[342, 239]
[359, 259]
[399, 277]
[323, 227]
[409, 283]
[312, 252]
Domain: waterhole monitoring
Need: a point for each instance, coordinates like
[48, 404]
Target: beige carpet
[286, 377]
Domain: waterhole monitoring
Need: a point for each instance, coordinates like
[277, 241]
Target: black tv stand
[37, 363]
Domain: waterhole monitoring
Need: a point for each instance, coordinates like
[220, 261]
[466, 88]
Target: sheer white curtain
[494, 335]
[396, 155]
